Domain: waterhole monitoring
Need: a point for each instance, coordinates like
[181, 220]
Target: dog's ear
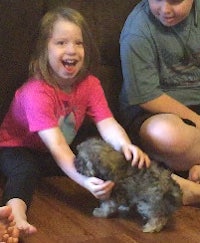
[84, 167]
[78, 164]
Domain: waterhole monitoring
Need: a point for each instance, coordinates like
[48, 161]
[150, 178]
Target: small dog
[151, 190]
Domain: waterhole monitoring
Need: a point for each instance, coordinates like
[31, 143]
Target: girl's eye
[60, 43]
[78, 43]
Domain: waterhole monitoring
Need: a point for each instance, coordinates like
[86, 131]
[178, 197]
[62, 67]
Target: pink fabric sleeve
[98, 108]
[38, 104]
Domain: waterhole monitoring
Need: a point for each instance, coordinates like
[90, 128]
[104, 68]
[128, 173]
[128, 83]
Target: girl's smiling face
[170, 12]
[66, 51]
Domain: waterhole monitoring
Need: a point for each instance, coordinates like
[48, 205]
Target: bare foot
[25, 228]
[19, 211]
[8, 229]
[190, 189]
[194, 174]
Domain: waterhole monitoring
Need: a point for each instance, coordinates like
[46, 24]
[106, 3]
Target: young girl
[48, 110]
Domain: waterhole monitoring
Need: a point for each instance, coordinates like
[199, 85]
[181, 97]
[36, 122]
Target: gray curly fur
[152, 190]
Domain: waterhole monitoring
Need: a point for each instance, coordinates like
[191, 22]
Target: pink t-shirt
[38, 106]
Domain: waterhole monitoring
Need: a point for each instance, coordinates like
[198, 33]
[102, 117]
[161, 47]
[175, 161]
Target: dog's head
[85, 167]
[97, 158]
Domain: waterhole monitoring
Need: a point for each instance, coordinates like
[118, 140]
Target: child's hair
[39, 65]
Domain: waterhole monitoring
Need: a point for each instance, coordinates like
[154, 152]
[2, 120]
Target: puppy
[151, 190]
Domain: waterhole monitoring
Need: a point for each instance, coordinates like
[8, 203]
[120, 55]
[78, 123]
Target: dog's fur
[152, 190]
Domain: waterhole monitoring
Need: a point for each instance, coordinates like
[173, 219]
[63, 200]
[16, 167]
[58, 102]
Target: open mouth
[70, 65]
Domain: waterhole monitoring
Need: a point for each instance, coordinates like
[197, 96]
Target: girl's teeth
[69, 62]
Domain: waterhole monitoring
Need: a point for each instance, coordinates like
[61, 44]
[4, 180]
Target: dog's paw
[99, 212]
[154, 225]
[123, 208]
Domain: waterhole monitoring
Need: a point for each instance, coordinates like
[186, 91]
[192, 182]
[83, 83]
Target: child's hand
[99, 188]
[138, 157]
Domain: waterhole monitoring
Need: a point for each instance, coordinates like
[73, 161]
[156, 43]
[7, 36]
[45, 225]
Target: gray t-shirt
[157, 59]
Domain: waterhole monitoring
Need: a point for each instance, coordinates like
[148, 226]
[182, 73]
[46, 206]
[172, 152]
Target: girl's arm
[113, 133]
[64, 157]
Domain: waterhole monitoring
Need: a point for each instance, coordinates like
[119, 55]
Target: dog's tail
[172, 192]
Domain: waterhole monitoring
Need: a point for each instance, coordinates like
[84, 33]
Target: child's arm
[113, 133]
[64, 157]
[167, 104]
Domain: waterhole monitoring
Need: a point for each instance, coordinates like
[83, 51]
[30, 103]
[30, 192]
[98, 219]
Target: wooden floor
[62, 212]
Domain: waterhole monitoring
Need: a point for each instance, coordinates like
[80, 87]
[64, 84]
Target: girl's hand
[99, 188]
[138, 157]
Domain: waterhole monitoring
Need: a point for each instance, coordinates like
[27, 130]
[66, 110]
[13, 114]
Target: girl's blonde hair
[39, 65]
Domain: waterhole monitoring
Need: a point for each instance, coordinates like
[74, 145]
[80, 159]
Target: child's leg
[8, 229]
[20, 166]
[166, 138]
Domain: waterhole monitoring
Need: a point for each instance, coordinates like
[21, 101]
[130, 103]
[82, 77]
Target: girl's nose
[70, 48]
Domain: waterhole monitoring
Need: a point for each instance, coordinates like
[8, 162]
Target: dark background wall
[18, 24]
